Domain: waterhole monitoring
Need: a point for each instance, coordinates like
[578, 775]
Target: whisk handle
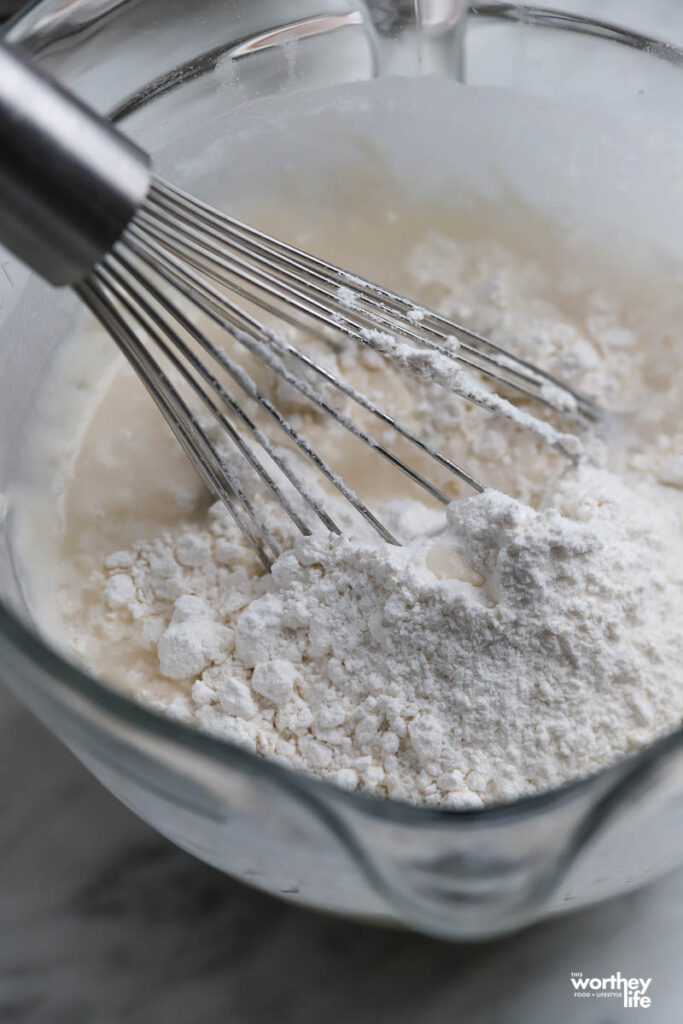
[69, 181]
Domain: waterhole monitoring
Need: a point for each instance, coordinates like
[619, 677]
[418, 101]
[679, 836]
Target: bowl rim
[31, 646]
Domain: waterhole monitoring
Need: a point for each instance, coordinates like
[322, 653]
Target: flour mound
[548, 646]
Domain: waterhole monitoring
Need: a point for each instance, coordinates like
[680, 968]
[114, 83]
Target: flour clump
[534, 663]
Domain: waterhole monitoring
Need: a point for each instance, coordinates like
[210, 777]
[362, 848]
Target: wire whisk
[146, 257]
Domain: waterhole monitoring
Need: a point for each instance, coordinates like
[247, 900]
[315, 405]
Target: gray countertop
[103, 921]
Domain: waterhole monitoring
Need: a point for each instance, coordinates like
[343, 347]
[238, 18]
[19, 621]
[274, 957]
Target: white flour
[553, 649]
[500, 650]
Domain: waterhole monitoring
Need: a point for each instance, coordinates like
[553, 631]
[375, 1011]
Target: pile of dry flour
[552, 646]
[502, 649]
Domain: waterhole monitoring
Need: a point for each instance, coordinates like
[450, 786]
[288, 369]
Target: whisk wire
[178, 251]
[193, 288]
[247, 384]
[151, 317]
[260, 336]
[356, 318]
[139, 251]
[169, 199]
[181, 419]
[240, 318]
[358, 326]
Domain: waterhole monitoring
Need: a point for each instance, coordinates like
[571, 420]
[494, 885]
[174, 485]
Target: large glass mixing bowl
[463, 874]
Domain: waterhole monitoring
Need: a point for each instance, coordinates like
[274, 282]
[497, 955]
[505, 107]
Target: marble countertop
[103, 922]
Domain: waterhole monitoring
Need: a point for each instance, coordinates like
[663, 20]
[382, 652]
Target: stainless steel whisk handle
[69, 181]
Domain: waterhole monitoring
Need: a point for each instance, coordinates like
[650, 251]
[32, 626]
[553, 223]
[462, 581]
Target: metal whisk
[80, 205]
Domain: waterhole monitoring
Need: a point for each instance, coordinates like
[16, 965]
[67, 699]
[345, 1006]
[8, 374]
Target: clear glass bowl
[452, 874]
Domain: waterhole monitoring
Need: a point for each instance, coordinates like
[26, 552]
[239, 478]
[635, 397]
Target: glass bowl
[454, 874]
